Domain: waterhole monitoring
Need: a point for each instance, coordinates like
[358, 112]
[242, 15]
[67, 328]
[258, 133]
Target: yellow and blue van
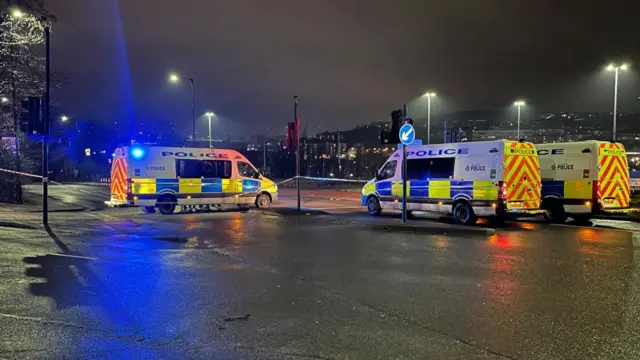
[468, 180]
[580, 179]
[155, 177]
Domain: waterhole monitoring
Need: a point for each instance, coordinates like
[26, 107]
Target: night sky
[349, 61]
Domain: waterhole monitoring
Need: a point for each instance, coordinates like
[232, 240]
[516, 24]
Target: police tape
[333, 179]
[236, 195]
[52, 182]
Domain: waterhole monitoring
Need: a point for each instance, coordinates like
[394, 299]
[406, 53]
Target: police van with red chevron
[580, 179]
[468, 180]
[164, 178]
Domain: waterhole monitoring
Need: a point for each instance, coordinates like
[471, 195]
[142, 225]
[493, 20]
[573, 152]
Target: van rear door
[119, 177]
[613, 188]
[522, 184]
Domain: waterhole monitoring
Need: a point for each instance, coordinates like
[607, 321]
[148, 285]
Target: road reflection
[565, 282]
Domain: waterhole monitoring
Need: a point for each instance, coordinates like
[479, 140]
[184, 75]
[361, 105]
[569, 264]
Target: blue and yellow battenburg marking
[567, 189]
[198, 186]
[435, 189]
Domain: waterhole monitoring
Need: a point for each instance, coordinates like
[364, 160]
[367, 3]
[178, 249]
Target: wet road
[121, 284]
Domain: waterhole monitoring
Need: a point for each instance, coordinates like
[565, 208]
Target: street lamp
[174, 78]
[616, 69]
[519, 104]
[429, 95]
[210, 114]
[4, 100]
[64, 118]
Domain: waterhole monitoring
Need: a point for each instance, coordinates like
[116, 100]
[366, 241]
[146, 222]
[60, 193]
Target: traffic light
[30, 120]
[393, 136]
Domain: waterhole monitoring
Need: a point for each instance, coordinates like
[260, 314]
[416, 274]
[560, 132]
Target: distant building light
[87, 152]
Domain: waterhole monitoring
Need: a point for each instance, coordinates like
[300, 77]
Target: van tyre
[263, 201]
[167, 204]
[555, 212]
[463, 213]
[373, 206]
[148, 209]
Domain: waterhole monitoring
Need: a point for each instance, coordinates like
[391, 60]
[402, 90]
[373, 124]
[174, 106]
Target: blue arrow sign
[407, 134]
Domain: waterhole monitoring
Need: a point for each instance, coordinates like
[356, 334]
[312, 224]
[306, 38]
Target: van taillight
[596, 189]
[127, 187]
[502, 190]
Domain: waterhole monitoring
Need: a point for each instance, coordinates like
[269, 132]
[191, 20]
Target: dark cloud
[350, 61]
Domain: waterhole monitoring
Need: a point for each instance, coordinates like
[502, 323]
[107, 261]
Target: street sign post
[407, 136]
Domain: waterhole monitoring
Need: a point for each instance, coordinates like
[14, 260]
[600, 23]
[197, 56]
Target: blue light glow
[137, 153]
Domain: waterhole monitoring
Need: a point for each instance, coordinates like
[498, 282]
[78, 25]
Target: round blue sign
[407, 134]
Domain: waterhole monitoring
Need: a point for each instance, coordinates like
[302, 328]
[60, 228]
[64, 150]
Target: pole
[45, 146]
[615, 103]
[264, 157]
[404, 170]
[445, 131]
[193, 110]
[429, 119]
[339, 150]
[518, 122]
[295, 120]
[209, 114]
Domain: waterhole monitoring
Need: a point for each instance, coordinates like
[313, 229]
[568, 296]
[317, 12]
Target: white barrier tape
[51, 181]
[21, 173]
[333, 179]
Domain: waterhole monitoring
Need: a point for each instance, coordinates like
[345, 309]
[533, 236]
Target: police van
[163, 178]
[467, 180]
[583, 178]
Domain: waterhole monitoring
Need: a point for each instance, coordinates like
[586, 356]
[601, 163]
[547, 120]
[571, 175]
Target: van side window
[442, 168]
[388, 171]
[207, 169]
[246, 170]
[424, 169]
[418, 169]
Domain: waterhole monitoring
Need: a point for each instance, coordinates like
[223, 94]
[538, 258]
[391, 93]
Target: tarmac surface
[116, 283]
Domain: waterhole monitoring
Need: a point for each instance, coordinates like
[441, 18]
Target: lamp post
[519, 104]
[174, 78]
[616, 69]
[429, 95]
[210, 114]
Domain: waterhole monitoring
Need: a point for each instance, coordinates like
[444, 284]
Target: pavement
[117, 283]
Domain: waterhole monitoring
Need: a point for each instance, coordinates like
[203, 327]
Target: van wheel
[583, 218]
[555, 212]
[166, 204]
[373, 206]
[263, 201]
[148, 209]
[463, 213]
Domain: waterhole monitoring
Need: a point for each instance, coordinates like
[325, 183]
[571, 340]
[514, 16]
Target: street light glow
[519, 103]
[429, 94]
[613, 67]
[210, 113]
[17, 13]
[64, 118]
[174, 78]
[4, 100]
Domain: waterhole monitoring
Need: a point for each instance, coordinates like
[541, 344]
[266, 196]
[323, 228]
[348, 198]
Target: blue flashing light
[137, 153]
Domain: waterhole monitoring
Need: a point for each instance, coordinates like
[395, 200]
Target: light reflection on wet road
[317, 287]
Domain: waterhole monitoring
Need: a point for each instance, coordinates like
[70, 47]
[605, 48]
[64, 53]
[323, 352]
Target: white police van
[156, 177]
[468, 180]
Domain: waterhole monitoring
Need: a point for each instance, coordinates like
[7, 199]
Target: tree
[21, 75]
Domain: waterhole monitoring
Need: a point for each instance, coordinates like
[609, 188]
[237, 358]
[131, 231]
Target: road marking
[75, 256]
